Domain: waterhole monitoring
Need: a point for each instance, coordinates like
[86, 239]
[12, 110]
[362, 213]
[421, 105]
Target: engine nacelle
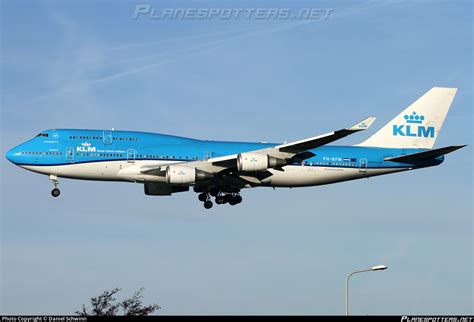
[249, 162]
[176, 174]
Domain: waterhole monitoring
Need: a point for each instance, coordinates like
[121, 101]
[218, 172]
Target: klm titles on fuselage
[412, 129]
[86, 147]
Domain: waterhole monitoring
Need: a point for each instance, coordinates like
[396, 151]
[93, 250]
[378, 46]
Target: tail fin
[418, 125]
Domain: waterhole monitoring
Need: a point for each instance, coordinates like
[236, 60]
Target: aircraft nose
[12, 155]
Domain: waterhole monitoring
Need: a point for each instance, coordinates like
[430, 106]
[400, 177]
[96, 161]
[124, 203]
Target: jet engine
[176, 174]
[248, 162]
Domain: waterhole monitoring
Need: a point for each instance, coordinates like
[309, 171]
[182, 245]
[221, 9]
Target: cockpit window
[43, 134]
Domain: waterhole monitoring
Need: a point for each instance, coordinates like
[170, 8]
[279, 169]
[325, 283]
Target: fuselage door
[70, 154]
[107, 137]
[363, 165]
[131, 155]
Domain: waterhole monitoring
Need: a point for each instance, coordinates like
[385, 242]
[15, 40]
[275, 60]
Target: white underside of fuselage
[292, 176]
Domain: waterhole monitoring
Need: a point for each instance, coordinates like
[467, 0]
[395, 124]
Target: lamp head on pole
[379, 267]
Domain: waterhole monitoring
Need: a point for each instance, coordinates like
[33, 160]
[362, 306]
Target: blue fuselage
[69, 146]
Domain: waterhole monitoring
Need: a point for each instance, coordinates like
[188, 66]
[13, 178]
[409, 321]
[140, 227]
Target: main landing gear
[208, 204]
[231, 199]
[206, 198]
[220, 198]
[54, 179]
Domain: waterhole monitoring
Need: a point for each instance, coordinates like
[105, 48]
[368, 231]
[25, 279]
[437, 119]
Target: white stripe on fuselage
[292, 176]
[102, 171]
[304, 176]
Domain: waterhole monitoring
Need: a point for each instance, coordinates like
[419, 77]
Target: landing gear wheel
[202, 197]
[54, 180]
[55, 192]
[219, 200]
[226, 198]
[236, 199]
[208, 204]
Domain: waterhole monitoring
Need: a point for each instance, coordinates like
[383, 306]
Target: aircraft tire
[55, 192]
[237, 199]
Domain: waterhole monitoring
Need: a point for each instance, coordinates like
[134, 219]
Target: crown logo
[86, 144]
[414, 118]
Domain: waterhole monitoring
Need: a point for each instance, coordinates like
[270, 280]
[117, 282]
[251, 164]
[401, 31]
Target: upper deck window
[124, 139]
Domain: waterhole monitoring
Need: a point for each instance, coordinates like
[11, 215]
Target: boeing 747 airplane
[167, 164]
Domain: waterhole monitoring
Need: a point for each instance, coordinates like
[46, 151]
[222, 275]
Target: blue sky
[88, 64]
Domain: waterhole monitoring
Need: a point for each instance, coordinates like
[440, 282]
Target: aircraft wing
[314, 142]
[290, 152]
[298, 150]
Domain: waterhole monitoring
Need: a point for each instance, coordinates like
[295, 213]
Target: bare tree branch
[106, 305]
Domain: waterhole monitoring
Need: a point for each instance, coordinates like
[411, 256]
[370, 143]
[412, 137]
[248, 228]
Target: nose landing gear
[54, 179]
[55, 192]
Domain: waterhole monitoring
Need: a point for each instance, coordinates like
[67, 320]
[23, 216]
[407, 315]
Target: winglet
[363, 125]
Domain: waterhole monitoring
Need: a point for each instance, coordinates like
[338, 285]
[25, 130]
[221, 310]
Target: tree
[105, 304]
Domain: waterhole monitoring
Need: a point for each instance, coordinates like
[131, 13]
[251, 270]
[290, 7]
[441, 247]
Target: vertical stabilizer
[418, 125]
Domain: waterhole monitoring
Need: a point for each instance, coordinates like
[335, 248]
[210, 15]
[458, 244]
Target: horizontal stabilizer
[430, 154]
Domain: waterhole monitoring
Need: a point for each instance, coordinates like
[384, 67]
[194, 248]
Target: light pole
[374, 268]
